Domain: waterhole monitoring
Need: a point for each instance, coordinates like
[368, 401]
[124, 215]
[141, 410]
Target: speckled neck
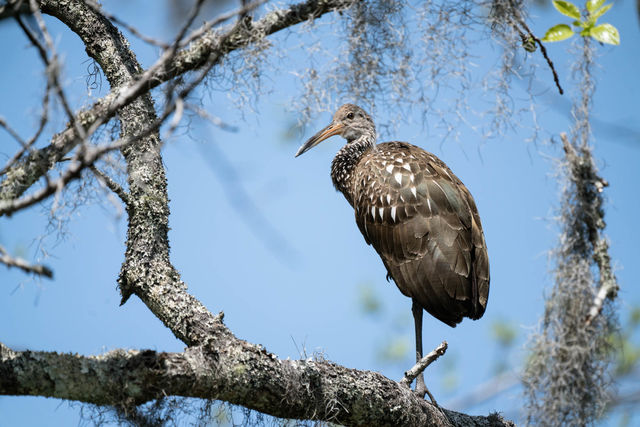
[346, 161]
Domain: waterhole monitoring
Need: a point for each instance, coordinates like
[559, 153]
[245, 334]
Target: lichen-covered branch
[147, 269]
[234, 371]
[209, 47]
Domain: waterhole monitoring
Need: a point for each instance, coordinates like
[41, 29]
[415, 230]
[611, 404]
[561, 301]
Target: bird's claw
[420, 393]
[422, 390]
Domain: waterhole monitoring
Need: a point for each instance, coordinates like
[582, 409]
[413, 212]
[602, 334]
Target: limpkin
[419, 217]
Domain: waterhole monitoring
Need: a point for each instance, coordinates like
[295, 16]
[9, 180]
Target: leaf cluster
[604, 33]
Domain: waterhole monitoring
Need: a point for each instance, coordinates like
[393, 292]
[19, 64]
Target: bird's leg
[421, 387]
[417, 318]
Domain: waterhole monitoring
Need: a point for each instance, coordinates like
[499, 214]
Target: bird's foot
[420, 393]
[428, 393]
[422, 390]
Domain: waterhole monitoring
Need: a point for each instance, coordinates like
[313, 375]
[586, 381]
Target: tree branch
[9, 261]
[147, 270]
[209, 46]
[110, 184]
[236, 372]
[422, 364]
[543, 49]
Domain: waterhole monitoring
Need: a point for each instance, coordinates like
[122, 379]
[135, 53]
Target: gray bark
[235, 371]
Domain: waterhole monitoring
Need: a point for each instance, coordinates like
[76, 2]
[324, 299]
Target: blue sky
[305, 294]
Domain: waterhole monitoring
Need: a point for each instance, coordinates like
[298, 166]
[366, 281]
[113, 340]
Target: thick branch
[239, 373]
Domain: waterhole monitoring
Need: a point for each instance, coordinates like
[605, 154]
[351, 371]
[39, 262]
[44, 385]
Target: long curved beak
[332, 129]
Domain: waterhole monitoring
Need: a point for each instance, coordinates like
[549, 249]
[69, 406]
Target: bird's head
[350, 121]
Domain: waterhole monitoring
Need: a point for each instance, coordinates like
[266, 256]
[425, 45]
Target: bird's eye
[350, 116]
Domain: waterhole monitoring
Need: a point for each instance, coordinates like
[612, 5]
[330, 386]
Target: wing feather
[426, 228]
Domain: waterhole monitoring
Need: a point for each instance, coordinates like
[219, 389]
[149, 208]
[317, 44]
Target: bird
[418, 216]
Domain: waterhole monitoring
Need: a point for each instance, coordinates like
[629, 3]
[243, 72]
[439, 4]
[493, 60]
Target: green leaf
[606, 33]
[598, 13]
[579, 23]
[586, 32]
[557, 33]
[567, 8]
[594, 4]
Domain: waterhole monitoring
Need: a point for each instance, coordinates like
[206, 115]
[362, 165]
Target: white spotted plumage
[398, 177]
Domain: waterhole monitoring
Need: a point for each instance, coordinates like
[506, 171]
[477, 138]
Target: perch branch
[233, 371]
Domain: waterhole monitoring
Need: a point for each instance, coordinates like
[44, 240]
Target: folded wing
[424, 224]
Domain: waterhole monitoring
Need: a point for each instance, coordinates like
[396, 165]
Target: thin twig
[87, 155]
[422, 364]
[14, 134]
[44, 118]
[133, 30]
[9, 261]
[110, 184]
[214, 120]
[543, 49]
[51, 62]
[53, 65]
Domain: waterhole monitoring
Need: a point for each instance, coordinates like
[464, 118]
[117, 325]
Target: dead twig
[422, 364]
[9, 261]
[133, 30]
[110, 184]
